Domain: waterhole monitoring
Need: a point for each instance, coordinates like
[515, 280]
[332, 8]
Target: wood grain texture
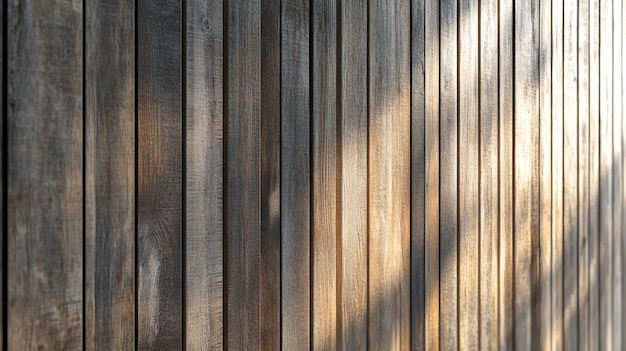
[243, 174]
[295, 174]
[448, 175]
[526, 189]
[418, 176]
[44, 175]
[488, 217]
[324, 168]
[109, 175]
[469, 176]
[570, 179]
[544, 327]
[204, 169]
[606, 178]
[431, 137]
[270, 176]
[505, 163]
[352, 105]
[557, 174]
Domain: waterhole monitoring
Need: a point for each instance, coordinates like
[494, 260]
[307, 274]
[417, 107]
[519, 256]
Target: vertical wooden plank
[159, 212]
[583, 175]
[606, 179]
[419, 297]
[109, 175]
[570, 179]
[324, 166]
[243, 172]
[594, 174]
[3, 272]
[617, 169]
[468, 168]
[295, 174]
[544, 326]
[389, 81]
[488, 285]
[525, 161]
[557, 174]
[431, 137]
[204, 175]
[270, 176]
[448, 182]
[505, 162]
[352, 105]
[44, 184]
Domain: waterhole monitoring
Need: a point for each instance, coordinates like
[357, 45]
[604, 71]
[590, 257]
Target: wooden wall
[313, 174]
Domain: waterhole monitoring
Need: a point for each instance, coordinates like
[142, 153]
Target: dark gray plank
[2, 170]
[204, 182]
[243, 174]
[270, 176]
[418, 176]
[109, 175]
[606, 176]
[352, 104]
[324, 169]
[488, 285]
[44, 184]
[159, 171]
[505, 164]
[295, 174]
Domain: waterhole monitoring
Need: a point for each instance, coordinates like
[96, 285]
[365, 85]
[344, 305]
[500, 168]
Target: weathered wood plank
[431, 137]
[324, 168]
[2, 171]
[295, 174]
[44, 175]
[570, 179]
[448, 172]
[544, 327]
[469, 177]
[159, 182]
[606, 178]
[243, 173]
[352, 105]
[270, 176]
[418, 176]
[526, 169]
[557, 174]
[505, 163]
[109, 175]
[204, 211]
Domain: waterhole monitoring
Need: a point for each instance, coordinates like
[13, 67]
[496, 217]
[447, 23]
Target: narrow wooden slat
[418, 176]
[570, 179]
[44, 175]
[324, 167]
[544, 327]
[468, 168]
[583, 175]
[295, 174]
[526, 167]
[606, 178]
[352, 105]
[243, 173]
[109, 175]
[557, 174]
[2, 171]
[204, 268]
[594, 174]
[431, 137]
[448, 180]
[488, 284]
[505, 163]
[270, 176]
[617, 169]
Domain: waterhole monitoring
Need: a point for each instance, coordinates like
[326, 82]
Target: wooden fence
[313, 174]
